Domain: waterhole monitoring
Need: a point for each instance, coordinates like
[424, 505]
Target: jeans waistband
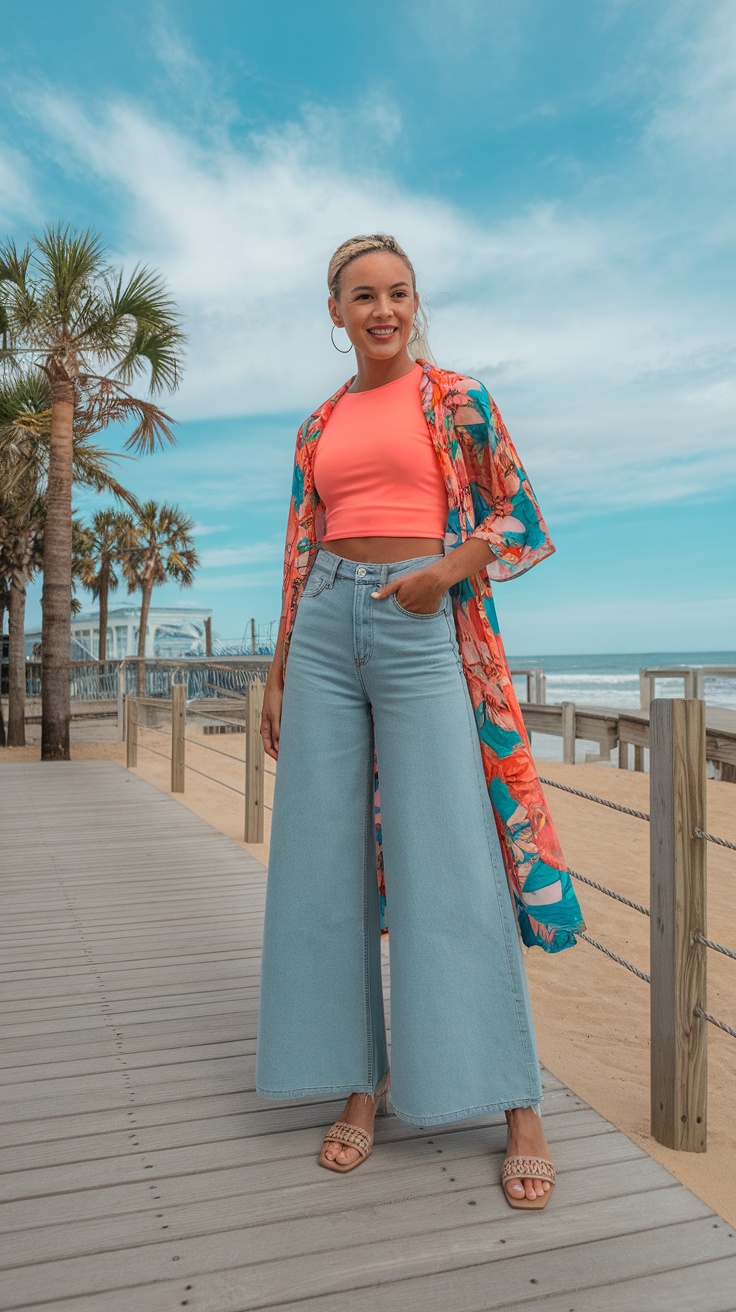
[366, 571]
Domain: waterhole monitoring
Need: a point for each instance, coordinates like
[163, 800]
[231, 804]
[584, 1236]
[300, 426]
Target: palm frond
[69, 261]
[14, 263]
[107, 402]
[90, 467]
[154, 339]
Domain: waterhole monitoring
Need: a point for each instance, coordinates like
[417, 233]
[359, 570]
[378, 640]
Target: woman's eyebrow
[367, 288]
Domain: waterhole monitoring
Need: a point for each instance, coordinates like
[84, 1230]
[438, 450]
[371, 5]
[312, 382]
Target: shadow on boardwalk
[143, 1174]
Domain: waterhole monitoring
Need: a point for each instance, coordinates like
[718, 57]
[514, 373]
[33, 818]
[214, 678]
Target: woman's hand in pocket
[420, 591]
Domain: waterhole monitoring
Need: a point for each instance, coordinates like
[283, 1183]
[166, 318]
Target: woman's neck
[374, 373]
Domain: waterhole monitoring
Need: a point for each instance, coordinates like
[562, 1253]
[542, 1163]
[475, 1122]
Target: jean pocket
[420, 615]
[314, 585]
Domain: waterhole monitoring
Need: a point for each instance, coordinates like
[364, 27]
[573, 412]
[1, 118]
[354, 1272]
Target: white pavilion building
[172, 631]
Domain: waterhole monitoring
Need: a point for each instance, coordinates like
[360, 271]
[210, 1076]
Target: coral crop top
[375, 467]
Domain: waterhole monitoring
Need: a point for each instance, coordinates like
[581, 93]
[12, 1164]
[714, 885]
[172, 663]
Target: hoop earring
[334, 343]
[414, 334]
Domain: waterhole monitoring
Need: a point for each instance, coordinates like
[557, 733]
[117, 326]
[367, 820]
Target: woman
[407, 497]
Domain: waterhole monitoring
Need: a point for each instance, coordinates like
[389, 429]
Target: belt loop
[333, 570]
[384, 576]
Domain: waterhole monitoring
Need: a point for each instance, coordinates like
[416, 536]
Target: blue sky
[562, 176]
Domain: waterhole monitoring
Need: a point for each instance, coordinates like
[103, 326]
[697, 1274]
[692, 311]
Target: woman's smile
[382, 334]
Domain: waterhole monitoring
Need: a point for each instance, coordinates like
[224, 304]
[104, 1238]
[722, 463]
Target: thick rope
[717, 947]
[239, 760]
[619, 897]
[592, 797]
[634, 970]
[711, 838]
[705, 1015]
[212, 779]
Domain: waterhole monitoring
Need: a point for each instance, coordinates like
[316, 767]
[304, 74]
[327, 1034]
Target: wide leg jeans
[462, 1035]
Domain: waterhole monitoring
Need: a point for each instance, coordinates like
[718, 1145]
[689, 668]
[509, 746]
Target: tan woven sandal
[528, 1168]
[352, 1136]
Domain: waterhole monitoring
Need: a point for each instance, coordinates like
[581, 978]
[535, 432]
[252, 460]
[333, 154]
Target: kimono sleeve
[507, 513]
[299, 521]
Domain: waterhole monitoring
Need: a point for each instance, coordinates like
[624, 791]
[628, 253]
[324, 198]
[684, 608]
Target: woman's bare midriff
[381, 551]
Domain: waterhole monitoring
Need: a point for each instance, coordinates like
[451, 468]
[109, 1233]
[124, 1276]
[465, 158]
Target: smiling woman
[407, 497]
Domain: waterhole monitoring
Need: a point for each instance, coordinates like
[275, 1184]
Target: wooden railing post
[254, 762]
[178, 723]
[568, 732]
[679, 1067]
[131, 731]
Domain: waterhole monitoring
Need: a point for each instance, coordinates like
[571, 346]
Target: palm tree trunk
[3, 740]
[17, 663]
[104, 590]
[146, 591]
[57, 580]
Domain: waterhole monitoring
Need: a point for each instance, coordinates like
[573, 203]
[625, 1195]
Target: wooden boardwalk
[140, 1171]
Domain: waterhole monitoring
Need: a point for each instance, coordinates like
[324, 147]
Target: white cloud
[603, 367]
[209, 530]
[253, 552]
[696, 112]
[17, 200]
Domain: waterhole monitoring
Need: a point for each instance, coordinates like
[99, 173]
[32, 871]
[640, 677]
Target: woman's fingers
[270, 735]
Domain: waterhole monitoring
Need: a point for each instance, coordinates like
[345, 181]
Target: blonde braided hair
[363, 245]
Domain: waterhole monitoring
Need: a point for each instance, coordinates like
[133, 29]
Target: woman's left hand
[420, 591]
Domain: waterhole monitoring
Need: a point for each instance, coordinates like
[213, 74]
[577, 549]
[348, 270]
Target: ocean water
[613, 680]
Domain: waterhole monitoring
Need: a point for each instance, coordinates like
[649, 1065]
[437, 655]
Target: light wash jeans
[462, 1035]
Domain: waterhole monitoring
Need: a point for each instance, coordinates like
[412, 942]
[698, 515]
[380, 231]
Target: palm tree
[25, 406]
[106, 541]
[20, 558]
[92, 333]
[163, 548]
[4, 604]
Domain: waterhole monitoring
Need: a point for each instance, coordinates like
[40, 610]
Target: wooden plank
[44, 1243]
[608, 1237]
[135, 1138]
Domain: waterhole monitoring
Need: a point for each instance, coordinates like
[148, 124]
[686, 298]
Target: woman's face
[376, 304]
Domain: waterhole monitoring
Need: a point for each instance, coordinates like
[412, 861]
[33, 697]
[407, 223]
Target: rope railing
[678, 948]
[593, 797]
[677, 912]
[164, 755]
[615, 957]
[205, 747]
[609, 892]
[629, 810]
[221, 782]
[713, 1020]
[137, 708]
[715, 947]
[712, 838]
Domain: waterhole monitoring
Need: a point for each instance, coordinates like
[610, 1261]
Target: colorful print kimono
[488, 496]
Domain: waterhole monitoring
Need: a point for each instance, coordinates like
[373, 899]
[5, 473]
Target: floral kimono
[488, 496]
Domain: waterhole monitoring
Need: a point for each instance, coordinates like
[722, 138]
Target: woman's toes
[347, 1155]
[516, 1188]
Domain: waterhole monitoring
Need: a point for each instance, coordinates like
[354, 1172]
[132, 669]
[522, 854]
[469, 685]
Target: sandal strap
[528, 1168]
[351, 1136]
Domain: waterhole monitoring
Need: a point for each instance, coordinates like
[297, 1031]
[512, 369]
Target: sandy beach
[592, 1016]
